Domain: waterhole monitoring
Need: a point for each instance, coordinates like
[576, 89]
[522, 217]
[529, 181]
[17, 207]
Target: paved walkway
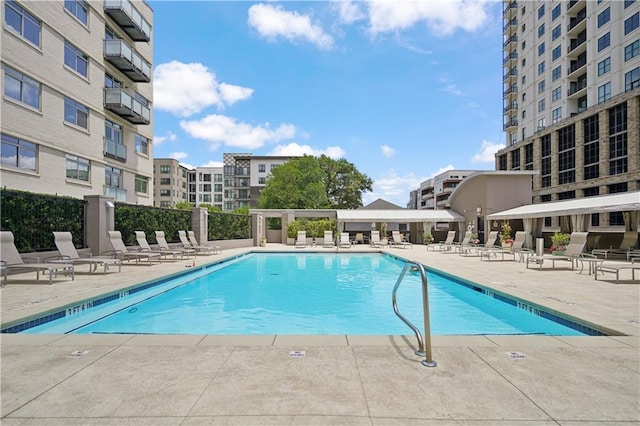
[368, 380]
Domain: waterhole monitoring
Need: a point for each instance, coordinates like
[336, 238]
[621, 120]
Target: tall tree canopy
[314, 183]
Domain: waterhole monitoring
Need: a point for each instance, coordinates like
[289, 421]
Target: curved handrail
[424, 347]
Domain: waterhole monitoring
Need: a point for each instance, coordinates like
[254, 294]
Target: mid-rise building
[434, 192]
[572, 98]
[171, 182]
[77, 93]
[209, 186]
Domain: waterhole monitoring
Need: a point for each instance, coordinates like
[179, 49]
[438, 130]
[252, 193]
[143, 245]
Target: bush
[130, 218]
[559, 241]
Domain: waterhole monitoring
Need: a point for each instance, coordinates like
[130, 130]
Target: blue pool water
[304, 293]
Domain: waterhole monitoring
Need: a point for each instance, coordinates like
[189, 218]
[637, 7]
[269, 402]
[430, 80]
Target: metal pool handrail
[423, 349]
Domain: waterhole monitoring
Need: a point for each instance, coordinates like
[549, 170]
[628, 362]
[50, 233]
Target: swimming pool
[306, 293]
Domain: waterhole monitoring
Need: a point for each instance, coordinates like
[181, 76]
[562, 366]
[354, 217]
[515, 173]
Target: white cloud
[221, 129]
[441, 170]
[450, 87]
[487, 152]
[293, 149]
[387, 151]
[213, 164]
[273, 22]
[442, 17]
[348, 11]
[187, 165]
[186, 89]
[393, 188]
[178, 155]
[169, 136]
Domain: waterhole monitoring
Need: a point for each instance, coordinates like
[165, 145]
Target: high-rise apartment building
[77, 92]
[434, 193]
[171, 182]
[572, 97]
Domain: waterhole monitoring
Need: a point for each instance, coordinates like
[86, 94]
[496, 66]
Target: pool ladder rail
[424, 346]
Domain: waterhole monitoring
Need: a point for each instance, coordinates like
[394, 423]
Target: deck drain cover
[78, 353]
[297, 354]
[517, 355]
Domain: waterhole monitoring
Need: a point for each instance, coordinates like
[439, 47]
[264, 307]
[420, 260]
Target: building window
[603, 17]
[142, 184]
[217, 177]
[540, 67]
[604, 92]
[78, 168]
[566, 155]
[541, 11]
[628, 3]
[591, 147]
[165, 168]
[541, 30]
[545, 161]
[604, 66]
[79, 9]
[541, 105]
[556, 32]
[591, 192]
[528, 156]
[142, 144]
[556, 52]
[113, 131]
[541, 49]
[21, 88]
[76, 59]
[18, 153]
[22, 22]
[502, 162]
[262, 168]
[556, 115]
[273, 166]
[617, 188]
[165, 181]
[111, 82]
[556, 73]
[262, 180]
[217, 187]
[632, 79]
[515, 159]
[555, 12]
[556, 93]
[631, 23]
[618, 157]
[524, 62]
[76, 113]
[542, 123]
[604, 42]
[566, 195]
[631, 50]
[541, 86]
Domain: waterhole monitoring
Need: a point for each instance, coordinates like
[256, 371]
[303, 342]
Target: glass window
[628, 3]
[18, 153]
[76, 113]
[541, 67]
[556, 73]
[631, 23]
[604, 42]
[604, 66]
[165, 181]
[541, 105]
[604, 92]
[631, 50]
[556, 32]
[112, 131]
[165, 168]
[142, 184]
[555, 12]
[541, 30]
[113, 177]
[541, 86]
[556, 115]
[22, 22]
[603, 17]
[262, 168]
[78, 168]
[632, 79]
[556, 93]
[76, 59]
[541, 49]
[541, 11]
[165, 192]
[79, 9]
[142, 144]
[556, 52]
[21, 88]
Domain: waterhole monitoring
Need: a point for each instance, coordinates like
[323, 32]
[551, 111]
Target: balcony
[573, 3]
[513, 56]
[114, 149]
[129, 19]
[513, 89]
[510, 7]
[512, 39]
[577, 23]
[117, 194]
[510, 107]
[512, 74]
[577, 42]
[575, 87]
[126, 106]
[126, 59]
[577, 64]
[511, 123]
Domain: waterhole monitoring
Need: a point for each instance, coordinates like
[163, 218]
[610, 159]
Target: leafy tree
[344, 183]
[241, 210]
[183, 205]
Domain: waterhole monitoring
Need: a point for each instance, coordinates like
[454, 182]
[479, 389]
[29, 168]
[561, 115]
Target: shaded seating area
[68, 254]
[577, 243]
[120, 251]
[11, 261]
[629, 240]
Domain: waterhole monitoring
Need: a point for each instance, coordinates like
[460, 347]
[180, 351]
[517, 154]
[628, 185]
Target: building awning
[399, 216]
[622, 202]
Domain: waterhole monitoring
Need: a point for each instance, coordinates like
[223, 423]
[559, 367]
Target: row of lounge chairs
[68, 257]
[345, 241]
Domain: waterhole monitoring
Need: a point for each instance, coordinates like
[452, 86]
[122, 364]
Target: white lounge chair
[398, 241]
[617, 267]
[192, 239]
[162, 243]
[466, 242]
[375, 240]
[629, 240]
[328, 239]
[206, 250]
[344, 240]
[489, 245]
[301, 241]
[120, 251]
[516, 249]
[141, 238]
[577, 242]
[69, 254]
[451, 236]
[11, 260]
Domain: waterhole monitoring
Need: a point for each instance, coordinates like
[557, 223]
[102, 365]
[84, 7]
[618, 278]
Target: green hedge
[228, 226]
[34, 217]
[314, 227]
[130, 218]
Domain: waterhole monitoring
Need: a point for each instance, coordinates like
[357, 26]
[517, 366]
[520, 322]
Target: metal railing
[424, 346]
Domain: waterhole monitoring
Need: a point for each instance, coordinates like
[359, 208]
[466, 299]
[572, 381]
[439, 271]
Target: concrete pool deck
[367, 380]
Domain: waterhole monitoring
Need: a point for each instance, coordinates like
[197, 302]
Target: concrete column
[258, 227]
[286, 218]
[98, 220]
[200, 224]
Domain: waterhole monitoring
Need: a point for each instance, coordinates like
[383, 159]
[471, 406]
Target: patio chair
[120, 251]
[617, 267]
[451, 236]
[162, 243]
[466, 242]
[141, 238]
[375, 240]
[629, 240]
[205, 250]
[11, 260]
[577, 242]
[192, 239]
[398, 241]
[328, 239]
[69, 254]
[301, 240]
[489, 245]
[516, 249]
[344, 240]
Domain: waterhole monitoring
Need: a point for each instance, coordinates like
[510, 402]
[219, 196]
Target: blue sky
[404, 90]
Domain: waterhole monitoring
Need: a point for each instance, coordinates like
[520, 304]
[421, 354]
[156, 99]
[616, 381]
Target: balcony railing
[577, 41]
[129, 19]
[513, 72]
[127, 60]
[576, 86]
[511, 22]
[118, 194]
[510, 57]
[511, 89]
[126, 106]
[576, 65]
[115, 149]
[577, 19]
[511, 123]
[512, 39]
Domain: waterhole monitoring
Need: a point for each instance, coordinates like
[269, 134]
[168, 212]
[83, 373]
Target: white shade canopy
[622, 202]
[400, 216]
